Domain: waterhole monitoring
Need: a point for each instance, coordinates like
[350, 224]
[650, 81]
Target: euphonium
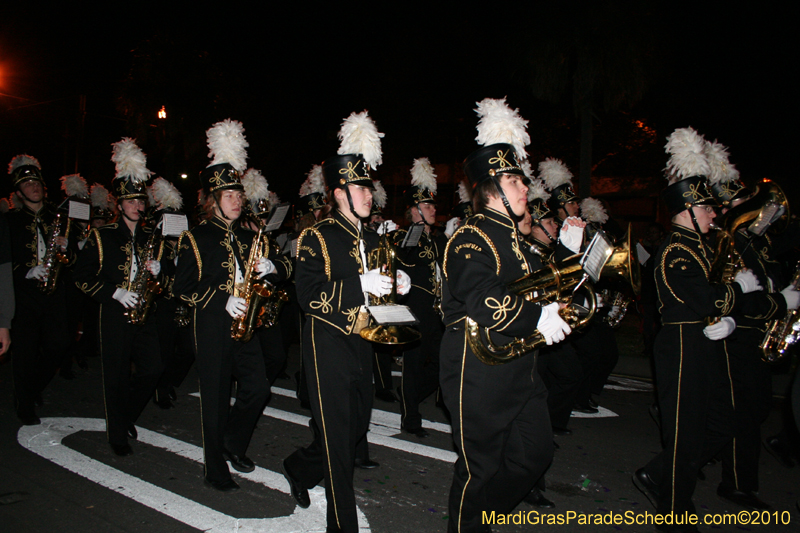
[385, 257]
[144, 283]
[264, 301]
[557, 282]
[782, 333]
[53, 258]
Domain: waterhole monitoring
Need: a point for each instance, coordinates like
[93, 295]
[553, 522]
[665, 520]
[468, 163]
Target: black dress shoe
[745, 499]
[299, 494]
[163, 402]
[241, 464]
[122, 450]
[585, 409]
[562, 432]
[592, 403]
[646, 486]
[386, 396]
[222, 486]
[779, 450]
[537, 499]
[171, 394]
[366, 464]
[420, 432]
[132, 433]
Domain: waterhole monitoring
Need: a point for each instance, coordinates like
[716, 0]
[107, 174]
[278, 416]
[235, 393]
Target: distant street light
[162, 113]
[184, 176]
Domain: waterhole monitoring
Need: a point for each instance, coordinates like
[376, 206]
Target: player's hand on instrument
[61, 242]
[403, 282]
[792, 297]
[39, 272]
[721, 329]
[376, 283]
[571, 234]
[264, 267]
[387, 227]
[236, 306]
[127, 298]
[154, 267]
[552, 327]
[747, 281]
[451, 226]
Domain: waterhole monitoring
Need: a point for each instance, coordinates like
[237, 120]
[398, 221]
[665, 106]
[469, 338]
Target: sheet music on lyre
[276, 217]
[173, 224]
[412, 236]
[80, 210]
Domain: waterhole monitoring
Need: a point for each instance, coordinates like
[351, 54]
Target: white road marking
[45, 440]
[602, 412]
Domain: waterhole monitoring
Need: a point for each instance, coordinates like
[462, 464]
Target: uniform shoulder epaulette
[324, 222]
[112, 225]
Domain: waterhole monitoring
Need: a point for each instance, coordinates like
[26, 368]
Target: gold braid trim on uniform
[193, 244]
[99, 243]
[230, 264]
[773, 307]
[726, 304]
[519, 310]
[322, 245]
[501, 309]
[482, 235]
[352, 315]
[324, 303]
[688, 250]
[91, 291]
[126, 266]
[195, 298]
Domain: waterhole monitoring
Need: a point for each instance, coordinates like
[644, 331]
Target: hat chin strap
[541, 227]
[694, 220]
[350, 201]
[511, 214]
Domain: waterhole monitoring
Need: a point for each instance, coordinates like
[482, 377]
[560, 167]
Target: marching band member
[106, 270]
[211, 261]
[332, 282]
[40, 326]
[501, 427]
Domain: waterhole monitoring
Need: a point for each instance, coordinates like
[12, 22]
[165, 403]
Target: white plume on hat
[21, 160]
[593, 211]
[464, 194]
[75, 185]
[100, 196]
[314, 183]
[166, 195]
[379, 195]
[272, 199]
[255, 186]
[537, 190]
[554, 173]
[227, 144]
[422, 175]
[500, 124]
[359, 135]
[687, 155]
[722, 171]
[526, 168]
[130, 161]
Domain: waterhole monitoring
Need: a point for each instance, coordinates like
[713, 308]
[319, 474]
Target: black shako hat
[686, 193]
[491, 161]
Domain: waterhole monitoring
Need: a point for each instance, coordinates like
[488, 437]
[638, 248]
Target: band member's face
[704, 214]
[425, 212]
[516, 192]
[230, 204]
[572, 208]
[32, 190]
[525, 224]
[549, 225]
[362, 200]
[132, 208]
[733, 204]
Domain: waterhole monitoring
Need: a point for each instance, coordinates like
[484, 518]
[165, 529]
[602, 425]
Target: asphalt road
[62, 475]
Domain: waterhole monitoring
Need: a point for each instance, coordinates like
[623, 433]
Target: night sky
[291, 74]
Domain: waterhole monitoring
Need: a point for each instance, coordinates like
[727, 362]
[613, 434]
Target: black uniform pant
[39, 339]
[752, 398]
[382, 368]
[501, 430]
[220, 359]
[561, 371]
[271, 342]
[131, 361]
[420, 369]
[598, 352]
[694, 393]
[339, 373]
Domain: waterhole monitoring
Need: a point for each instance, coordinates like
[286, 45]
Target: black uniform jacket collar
[500, 218]
[345, 222]
[223, 224]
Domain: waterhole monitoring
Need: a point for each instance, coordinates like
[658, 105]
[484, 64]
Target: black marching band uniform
[40, 329]
[501, 427]
[109, 262]
[209, 256]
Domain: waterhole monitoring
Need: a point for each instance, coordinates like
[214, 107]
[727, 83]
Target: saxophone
[144, 284]
[53, 258]
[783, 332]
[264, 300]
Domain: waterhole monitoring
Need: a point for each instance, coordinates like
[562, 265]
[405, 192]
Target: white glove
[38, 272]
[236, 306]
[403, 282]
[614, 312]
[721, 329]
[388, 226]
[451, 226]
[264, 266]
[748, 281]
[791, 296]
[571, 236]
[599, 298]
[127, 298]
[551, 325]
[154, 267]
[376, 283]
